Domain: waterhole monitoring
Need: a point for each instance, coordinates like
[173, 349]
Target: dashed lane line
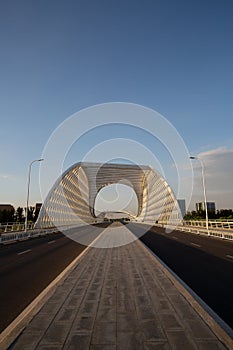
[229, 256]
[50, 242]
[195, 245]
[24, 252]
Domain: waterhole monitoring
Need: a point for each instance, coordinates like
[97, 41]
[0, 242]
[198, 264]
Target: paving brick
[108, 300]
[157, 346]
[103, 347]
[83, 324]
[51, 308]
[49, 347]
[170, 322]
[104, 333]
[39, 324]
[73, 302]
[89, 307]
[27, 341]
[78, 342]
[106, 314]
[126, 306]
[210, 345]
[66, 315]
[129, 341]
[182, 307]
[200, 330]
[146, 312]
[152, 330]
[56, 334]
[179, 340]
[126, 322]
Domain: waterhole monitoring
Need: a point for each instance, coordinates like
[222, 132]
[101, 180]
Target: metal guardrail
[15, 226]
[223, 233]
[212, 223]
[8, 237]
[22, 235]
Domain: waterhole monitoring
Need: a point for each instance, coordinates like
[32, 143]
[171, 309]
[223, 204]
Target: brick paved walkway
[117, 298]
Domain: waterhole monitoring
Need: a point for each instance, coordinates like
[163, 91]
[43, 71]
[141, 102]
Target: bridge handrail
[22, 235]
[8, 237]
[15, 226]
[211, 223]
[224, 233]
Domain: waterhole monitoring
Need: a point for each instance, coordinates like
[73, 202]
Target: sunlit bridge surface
[72, 198]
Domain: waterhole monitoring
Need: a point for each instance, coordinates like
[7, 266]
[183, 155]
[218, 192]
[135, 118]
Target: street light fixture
[28, 188]
[204, 190]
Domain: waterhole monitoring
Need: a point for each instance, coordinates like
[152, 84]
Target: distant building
[182, 206]
[6, 207]
[6, 213]
[37, 210]
[210, 207]
[38, 206]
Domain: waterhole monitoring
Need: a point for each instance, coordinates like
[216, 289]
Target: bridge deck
[117, 298]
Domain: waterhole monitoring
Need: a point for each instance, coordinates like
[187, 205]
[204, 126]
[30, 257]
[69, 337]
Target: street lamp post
[28, 190]
[204, 190]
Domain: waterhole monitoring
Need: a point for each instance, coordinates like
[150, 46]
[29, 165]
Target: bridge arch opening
[118, 199]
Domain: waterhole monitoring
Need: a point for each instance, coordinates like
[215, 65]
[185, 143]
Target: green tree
[19, 214]
[194, 215]
[30, 213]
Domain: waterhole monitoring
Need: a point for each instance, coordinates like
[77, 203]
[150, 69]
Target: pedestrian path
[117, 298]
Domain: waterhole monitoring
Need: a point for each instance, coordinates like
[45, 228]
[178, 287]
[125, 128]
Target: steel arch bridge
[71, 200]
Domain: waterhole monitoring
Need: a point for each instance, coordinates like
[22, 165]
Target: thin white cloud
[4, 176]
[216, 152]
[219, 177]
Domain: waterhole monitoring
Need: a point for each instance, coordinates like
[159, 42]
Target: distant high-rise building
[182, 206]
[210, 207]
[37, 210]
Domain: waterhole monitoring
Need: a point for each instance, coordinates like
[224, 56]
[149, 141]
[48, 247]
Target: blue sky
[58, 57]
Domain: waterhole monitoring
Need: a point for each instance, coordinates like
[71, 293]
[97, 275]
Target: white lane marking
[195, 245]
[229, 256]
[24, 252]
[175, 237]
[51, 242]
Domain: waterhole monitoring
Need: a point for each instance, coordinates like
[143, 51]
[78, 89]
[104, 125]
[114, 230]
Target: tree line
[222, 214]
[18, 215]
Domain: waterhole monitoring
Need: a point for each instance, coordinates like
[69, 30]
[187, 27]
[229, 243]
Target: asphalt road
[205, 264]
[27, 267]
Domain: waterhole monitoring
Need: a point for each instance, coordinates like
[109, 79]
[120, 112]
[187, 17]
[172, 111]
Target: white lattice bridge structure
[71, 200]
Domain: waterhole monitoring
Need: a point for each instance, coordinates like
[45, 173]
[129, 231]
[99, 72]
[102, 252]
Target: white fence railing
[14, 236]
[216, 229]
[22, 235]
[212, 223]
[15, 226]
